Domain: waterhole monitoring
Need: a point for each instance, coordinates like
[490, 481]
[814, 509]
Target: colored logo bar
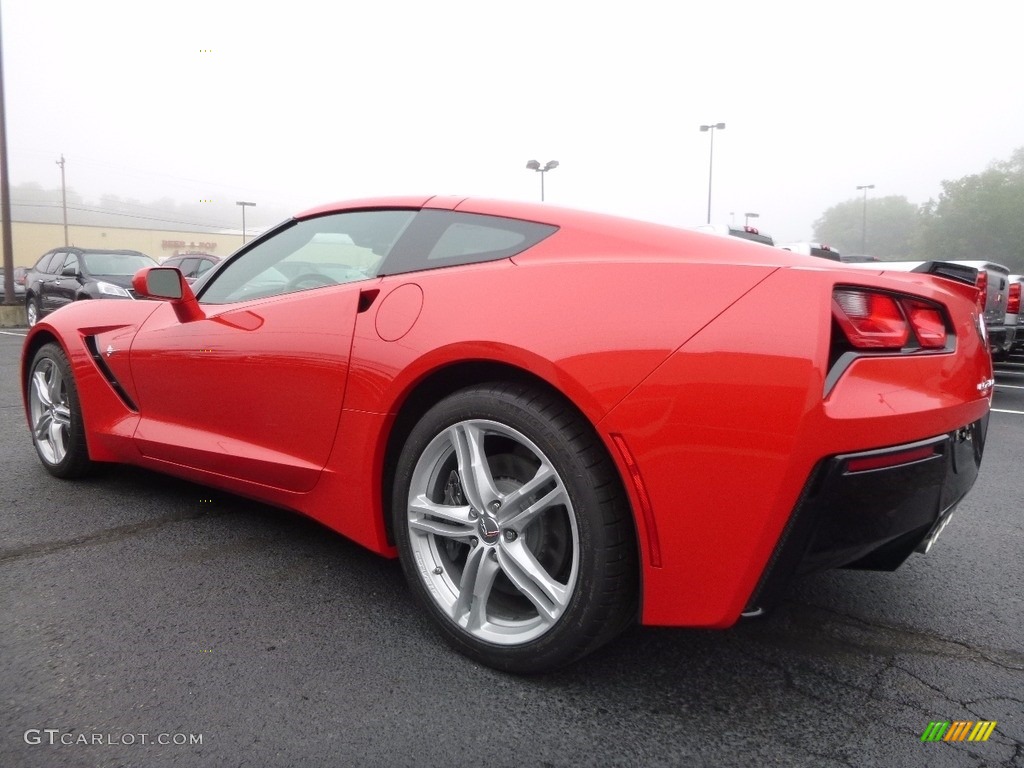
[959, 730]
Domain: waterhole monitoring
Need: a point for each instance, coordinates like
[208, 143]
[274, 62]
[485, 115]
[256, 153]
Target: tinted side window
[449, 238]
[327, 250]
[204, 265]
[188, 267]
[50, 262]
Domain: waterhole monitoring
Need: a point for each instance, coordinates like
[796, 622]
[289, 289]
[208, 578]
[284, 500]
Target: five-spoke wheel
[55, 414]
[513, 528]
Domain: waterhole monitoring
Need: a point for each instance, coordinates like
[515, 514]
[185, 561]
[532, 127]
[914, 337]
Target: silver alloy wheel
[493, 532]
[50, 411]
[32, 312]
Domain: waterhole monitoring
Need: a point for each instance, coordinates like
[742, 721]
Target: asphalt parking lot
[152, 622]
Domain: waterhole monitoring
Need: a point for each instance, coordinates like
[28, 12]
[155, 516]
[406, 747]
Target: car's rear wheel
[32, 310]
[56, 415]
[513, 528]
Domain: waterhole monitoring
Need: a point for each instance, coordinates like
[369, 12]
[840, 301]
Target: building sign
[197, 247]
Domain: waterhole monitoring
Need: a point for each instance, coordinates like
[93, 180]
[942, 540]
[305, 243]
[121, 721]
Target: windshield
[122, 264]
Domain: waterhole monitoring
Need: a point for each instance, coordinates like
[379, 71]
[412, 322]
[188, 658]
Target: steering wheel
[309, 280]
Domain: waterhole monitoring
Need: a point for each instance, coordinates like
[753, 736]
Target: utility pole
[5, 195]
[63, 198]
[864, 218]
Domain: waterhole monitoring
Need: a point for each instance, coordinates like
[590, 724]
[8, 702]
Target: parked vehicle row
[66, 275]
[19, 281]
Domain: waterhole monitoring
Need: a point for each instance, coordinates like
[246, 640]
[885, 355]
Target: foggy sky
[301, 103]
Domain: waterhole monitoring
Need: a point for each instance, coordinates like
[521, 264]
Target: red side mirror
[168, 284]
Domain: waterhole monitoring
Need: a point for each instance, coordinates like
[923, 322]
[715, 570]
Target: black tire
[537, 578]
[32, 310]
[55, 414]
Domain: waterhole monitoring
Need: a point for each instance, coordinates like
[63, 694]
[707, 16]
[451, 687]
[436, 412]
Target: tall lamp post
[748, 216]
[550, 165]
[864, 219]
[243, 203]
[711, 158]
[63, 198]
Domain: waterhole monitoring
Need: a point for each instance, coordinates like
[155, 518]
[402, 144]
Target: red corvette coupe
[560, 422]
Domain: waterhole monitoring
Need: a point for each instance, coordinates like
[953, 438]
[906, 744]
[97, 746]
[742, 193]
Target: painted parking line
[1003, 410]
[1008, 386]
[14, 333]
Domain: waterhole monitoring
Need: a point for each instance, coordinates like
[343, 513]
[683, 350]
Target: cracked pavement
[133, 603]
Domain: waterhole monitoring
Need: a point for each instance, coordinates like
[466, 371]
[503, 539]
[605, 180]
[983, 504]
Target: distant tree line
[31, 202]
[980, 216]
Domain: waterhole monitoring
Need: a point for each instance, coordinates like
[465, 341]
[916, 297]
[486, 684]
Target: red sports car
[560, 422]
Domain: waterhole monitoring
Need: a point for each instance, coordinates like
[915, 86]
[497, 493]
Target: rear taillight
[1013, 300]
[928, 324]
[870, 320]
[982, 284]
[873, 320]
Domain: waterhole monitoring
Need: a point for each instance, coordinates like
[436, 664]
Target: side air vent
[90, 343]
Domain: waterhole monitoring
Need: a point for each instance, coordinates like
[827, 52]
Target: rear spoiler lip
[958, 272]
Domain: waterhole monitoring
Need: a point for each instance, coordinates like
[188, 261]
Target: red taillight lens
[873, 320]
[870, 320]
[982, 290]
[928, 324]
[1013, 300]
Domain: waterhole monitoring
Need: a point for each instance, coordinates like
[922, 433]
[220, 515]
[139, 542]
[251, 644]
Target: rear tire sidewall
[572, 634]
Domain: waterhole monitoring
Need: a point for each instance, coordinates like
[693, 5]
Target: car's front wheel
[513, 529]
[56, 415]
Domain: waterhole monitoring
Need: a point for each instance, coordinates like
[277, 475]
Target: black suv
[64, 275]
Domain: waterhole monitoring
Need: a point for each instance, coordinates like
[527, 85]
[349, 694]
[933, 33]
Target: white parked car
[813, 249]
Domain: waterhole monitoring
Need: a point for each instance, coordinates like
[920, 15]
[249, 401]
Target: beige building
[31, 240]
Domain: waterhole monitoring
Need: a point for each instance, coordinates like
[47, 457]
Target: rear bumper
[872, 509]
[1001, 338]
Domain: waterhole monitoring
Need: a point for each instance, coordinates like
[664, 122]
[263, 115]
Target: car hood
[125, 281]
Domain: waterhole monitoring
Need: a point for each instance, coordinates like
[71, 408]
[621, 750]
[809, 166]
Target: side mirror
[69, 271]
[168, 284]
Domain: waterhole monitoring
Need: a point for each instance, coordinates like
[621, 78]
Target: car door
[47, 275]
[64, 287]
[254, 389]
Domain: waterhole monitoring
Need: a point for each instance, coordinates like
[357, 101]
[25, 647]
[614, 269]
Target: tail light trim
[868, 321]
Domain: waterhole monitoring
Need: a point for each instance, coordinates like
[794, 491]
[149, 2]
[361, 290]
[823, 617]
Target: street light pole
[711, 157]
[243, 203]
[5, 197]
[533, 165]
[63, 198]
[864, 219]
